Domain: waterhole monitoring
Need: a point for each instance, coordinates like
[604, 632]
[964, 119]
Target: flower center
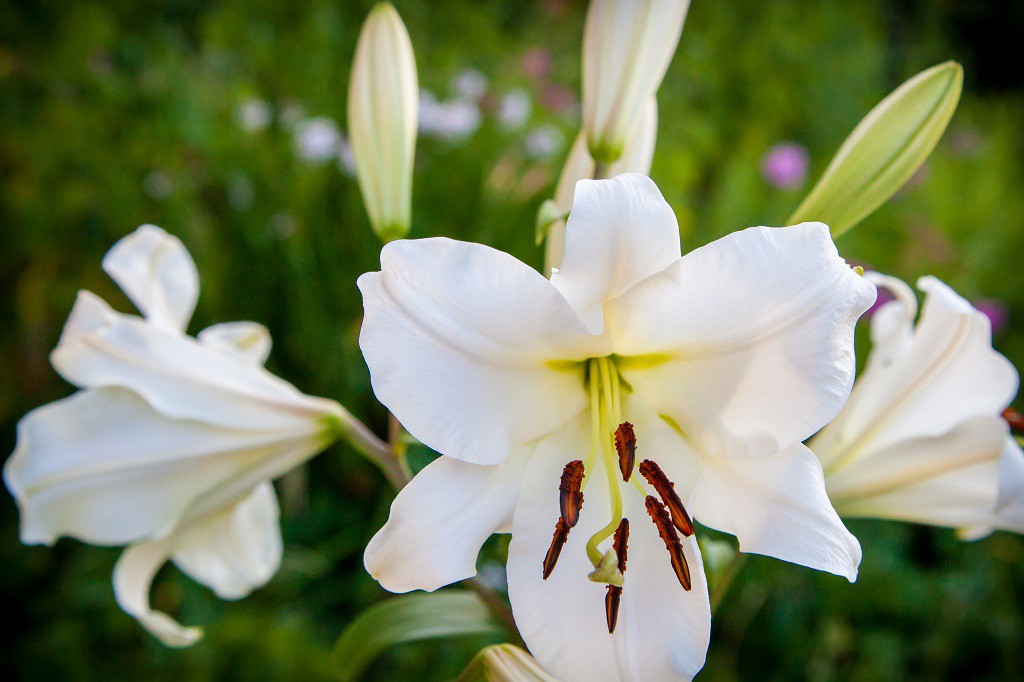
[613, 446]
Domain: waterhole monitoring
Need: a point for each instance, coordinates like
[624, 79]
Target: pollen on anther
[667, 491]
[667, 531]
[625, 446]
[619, 542]
[570, 493]
[611, 606]
[1014, 419]
[557, 542]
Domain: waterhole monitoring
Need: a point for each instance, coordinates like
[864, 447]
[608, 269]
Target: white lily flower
[636, 158]
[383, 101]
[721, 361]
[921, 438]
[627, 47]
[171, 442]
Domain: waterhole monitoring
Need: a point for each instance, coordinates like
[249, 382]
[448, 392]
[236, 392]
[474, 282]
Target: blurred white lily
[171, 442]
[383, 101]
[636, 158]
[921, 438]
[627, 47]
[721, 361]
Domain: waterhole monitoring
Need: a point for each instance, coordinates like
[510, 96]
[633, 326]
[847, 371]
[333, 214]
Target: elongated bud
[570, 495]
[505, 663]
[383, 101]
[625, 446]
[667, 491]
[636, 158]
[627, 47]
[884, 150]
[668, 535]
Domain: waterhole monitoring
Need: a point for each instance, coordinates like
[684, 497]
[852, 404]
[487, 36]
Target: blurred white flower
[382, 118]
[627, 47]
[515, 108]
[317, 139]
[921, 438]
[158, 184]
[452, 121]
[170, 443]
[253, 115]
[733, 354]
[544, 142]
[471, 84]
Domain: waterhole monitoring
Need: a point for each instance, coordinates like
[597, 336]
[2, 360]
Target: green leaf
[547, 215]
[408, 618]
[504, 663]
[884, 150]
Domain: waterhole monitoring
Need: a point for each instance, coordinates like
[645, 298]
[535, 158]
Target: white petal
[892, 325]
[776, 506]
[474, 331]
[636, 158]
[948, 374]
[133, 576]
[945, 480]
[247, 340]
[105, 467]
[439, 522]
[1010, 502]
[747, 342]
[181, 377]
[662, 631]
[235, 550]
[619, 232]
[89, 314]
[156, 271]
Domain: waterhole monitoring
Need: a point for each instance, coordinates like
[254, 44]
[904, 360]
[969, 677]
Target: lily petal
[662, 631]
[619, 231]
[105, 467]
[776, 506]
[948, 373]
[439, 522]
[133, 577]
[156, 271]
[946, 480]
[235, 550]
[176, 374]
[747, 343]
[248, 340]
[474, 331]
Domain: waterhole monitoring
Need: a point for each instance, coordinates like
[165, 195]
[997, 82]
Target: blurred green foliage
[114, 114]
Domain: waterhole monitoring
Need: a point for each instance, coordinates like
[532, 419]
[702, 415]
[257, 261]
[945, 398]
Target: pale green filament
[606, 405]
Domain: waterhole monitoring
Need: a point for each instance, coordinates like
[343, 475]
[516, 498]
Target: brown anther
[1015, 419]
[557, 542]
[619, 542]
[667, 491]
[625, 445]
[668, 534]
[570, 496]
[611, 606]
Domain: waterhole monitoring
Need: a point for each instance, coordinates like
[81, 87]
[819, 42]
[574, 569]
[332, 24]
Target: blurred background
[223, 122]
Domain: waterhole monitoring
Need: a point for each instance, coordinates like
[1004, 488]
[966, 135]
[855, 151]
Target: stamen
[625, 445]
[557, 542]
[667, 491]
[611, 606]
[570, 492]
[619, 543]
[1015, 420]
[668, 535]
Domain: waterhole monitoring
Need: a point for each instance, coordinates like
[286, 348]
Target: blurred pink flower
[536, 63]
[785, 164]
[995, 311]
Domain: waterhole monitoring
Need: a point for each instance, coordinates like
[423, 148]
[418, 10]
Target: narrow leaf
[408, 618]
[884, 150]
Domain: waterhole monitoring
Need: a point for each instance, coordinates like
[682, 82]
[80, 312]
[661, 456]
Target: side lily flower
[921, 438]
[171, 442]
[702, 372]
